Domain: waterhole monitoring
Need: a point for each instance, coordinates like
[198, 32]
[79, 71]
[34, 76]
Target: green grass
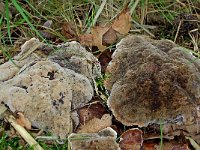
[13, 143]
[24, 14]
[8, 21]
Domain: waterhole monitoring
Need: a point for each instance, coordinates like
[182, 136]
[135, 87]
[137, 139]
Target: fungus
[153, 81]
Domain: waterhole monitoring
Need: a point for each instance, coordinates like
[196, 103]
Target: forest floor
[95, 24]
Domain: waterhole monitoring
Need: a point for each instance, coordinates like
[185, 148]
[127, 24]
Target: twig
[194, 41]
[7, 115]
[25, 135]
[179, 25]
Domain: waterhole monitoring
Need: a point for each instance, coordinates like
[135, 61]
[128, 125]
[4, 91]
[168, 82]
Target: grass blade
[22, 12]
[8, 21]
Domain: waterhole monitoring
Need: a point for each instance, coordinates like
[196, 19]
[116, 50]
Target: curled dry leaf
[95, 124]
[48, 24]
[45, 33]
[93, 117]
[24, 122]
[110, 36]
[69, 31]
[122, 24]
[86, 39]
[106, 35]
[131, 140]
[104, 58]
[97, 33]
[95, 38]
[92, 110]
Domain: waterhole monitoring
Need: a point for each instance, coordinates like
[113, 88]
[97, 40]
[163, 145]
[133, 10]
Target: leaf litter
[101, 36]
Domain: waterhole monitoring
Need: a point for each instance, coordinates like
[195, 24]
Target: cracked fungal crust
[152, 80]
[104, 139]
[47, 88]
[73, 56]
[45, 91]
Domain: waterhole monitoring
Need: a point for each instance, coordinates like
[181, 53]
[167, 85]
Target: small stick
[7, 115]
[179, 25]
[25, 135]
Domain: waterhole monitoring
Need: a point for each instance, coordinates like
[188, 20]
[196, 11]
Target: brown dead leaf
[69, 31]
[131, 140]
[92, 110]
[93, 117]
[110, 36]
[95, 38]
[86, 40]
[97, 33]
[122, 23]
[24, 122]
[104, 58]
[95, 124]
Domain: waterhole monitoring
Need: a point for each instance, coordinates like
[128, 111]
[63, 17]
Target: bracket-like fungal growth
[153, 80]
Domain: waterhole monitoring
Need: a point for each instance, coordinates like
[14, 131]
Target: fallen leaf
[95, 124]
[86, 40]
[104, 58]
[131, 140]
[97, 33]
[92, 110]
[93, 117]
[69, 31]
[48, 24]
[122, 23]
[95, 38]
[101, 36]
[21, 120]
[110, 36]
[45, 33]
